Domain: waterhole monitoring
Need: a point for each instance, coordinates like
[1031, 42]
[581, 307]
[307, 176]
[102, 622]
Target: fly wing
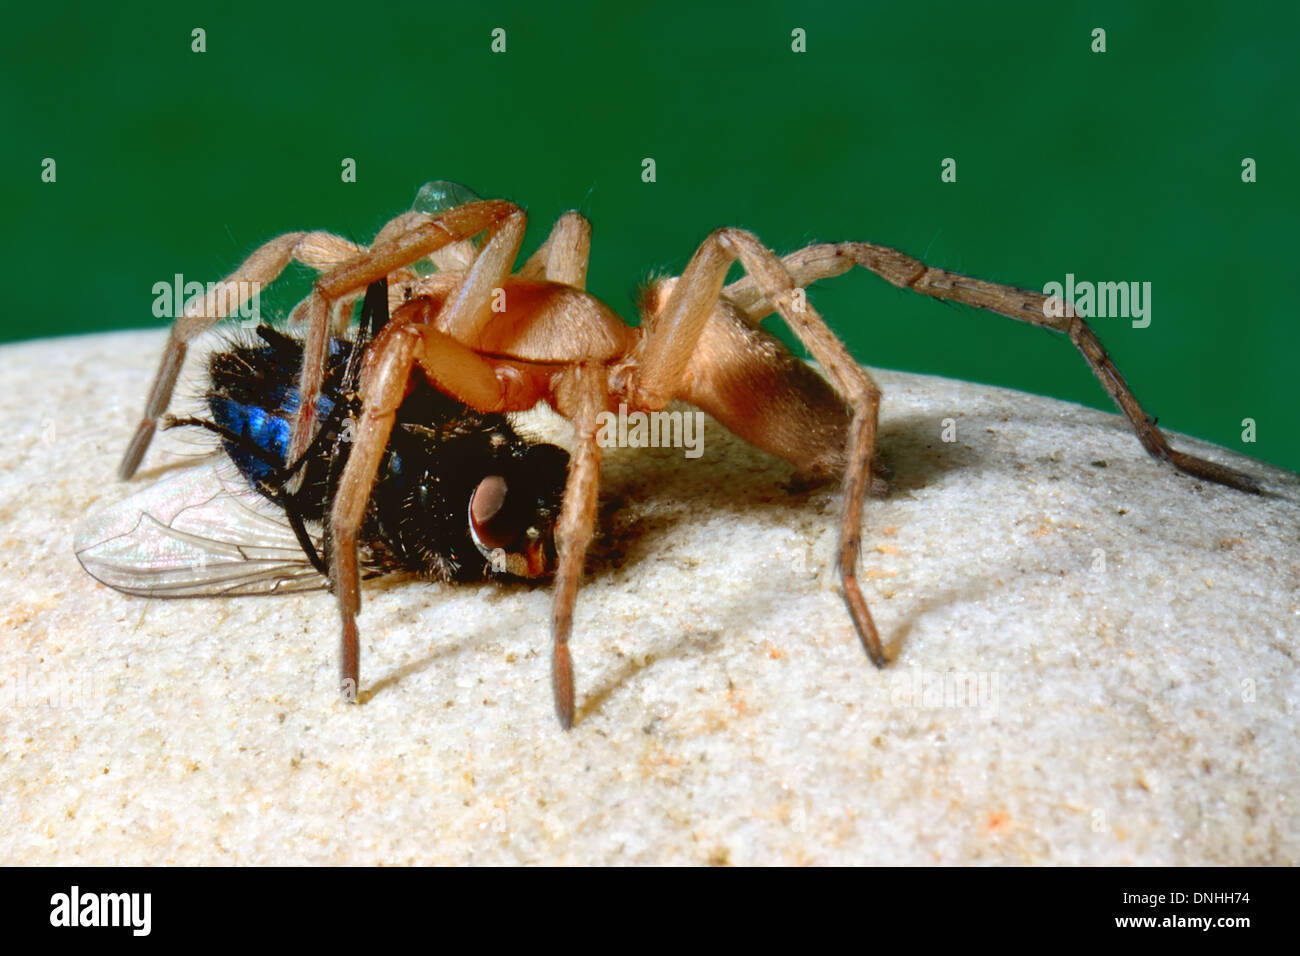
[199, 532]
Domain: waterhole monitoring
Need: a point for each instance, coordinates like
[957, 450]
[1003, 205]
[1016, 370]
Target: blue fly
[459, 495]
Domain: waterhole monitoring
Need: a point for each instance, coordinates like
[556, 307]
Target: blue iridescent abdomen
[262, 411]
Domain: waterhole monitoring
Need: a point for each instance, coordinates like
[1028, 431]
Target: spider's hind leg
[825, 260]
[762, 390]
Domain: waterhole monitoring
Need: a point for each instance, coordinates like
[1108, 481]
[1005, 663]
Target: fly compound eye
[488, 520]
[505, 532]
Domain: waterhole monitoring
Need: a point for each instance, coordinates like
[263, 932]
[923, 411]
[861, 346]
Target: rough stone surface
[1117, 645]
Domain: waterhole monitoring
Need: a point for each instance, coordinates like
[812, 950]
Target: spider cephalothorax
[500, 341]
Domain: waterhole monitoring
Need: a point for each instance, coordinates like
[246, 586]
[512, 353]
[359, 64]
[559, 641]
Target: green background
[1117, 166]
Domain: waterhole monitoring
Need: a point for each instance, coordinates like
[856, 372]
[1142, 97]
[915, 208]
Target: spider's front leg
[408, 339]
[583, 393]
[319, 250]
[426, 333]
[701, 348]
[420, 235]
[563, 256]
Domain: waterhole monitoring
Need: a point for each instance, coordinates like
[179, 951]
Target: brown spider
[504, 341]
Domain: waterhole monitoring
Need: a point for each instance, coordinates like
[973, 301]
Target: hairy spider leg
[489, 385]
[424, 234]
[319, 250]
[347, 268]
[675, 335]
[831, 259]
[453, 368]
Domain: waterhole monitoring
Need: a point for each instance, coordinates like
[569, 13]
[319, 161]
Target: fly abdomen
[439, 453]
[266, 430]
[253, 399]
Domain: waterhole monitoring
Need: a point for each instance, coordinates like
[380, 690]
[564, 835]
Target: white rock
[1136, 710]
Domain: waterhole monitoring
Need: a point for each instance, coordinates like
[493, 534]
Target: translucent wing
[200, 532]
